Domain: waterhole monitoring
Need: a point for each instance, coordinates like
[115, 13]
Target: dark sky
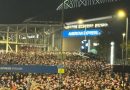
[16, 11]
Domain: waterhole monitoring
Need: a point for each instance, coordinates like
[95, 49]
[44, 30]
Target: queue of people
[80, 73]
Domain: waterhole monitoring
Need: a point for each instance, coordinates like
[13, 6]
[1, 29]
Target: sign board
[87, 26]
[28, 69]
[81, 33]
[61, 70]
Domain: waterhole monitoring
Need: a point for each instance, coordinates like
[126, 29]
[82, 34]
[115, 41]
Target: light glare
[121, 14]
[80, 21]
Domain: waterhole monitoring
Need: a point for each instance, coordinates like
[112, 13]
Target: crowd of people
[80, 73]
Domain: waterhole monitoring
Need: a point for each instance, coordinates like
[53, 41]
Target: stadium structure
[68, 4]
[46, 36]
[14, 37]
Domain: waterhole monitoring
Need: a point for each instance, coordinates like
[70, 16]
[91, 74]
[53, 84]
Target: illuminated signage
[81, 26]
[28, 36]
[80, 33]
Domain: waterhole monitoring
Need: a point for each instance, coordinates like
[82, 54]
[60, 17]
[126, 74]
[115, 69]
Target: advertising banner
[28, 69]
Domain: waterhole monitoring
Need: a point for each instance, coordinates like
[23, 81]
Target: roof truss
[78, 3]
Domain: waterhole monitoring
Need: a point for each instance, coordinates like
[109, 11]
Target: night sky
[16, 11]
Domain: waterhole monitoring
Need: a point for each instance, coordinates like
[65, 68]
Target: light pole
[123, 36]
[126, 39]
[121, 14]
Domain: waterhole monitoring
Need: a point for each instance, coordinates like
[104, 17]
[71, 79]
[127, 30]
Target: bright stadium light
[121, 14]
[80, 21]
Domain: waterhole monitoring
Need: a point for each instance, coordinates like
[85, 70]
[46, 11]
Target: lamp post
[126, 39]
[123, 36]
[121, 14]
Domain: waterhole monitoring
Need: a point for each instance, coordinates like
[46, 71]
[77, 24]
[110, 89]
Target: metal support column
[26, 34]
[35, 39]
[53, 41]
[44, 40]
[126, 55]
[89, 45]
[7, 40]
[16, 46]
